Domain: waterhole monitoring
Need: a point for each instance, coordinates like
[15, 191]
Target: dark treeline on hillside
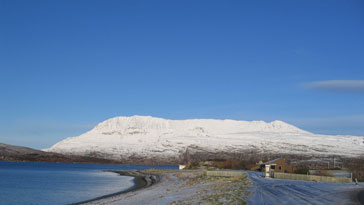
[193, 156]
[17, 153]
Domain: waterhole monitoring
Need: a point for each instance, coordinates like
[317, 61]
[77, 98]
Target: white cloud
[344, 86]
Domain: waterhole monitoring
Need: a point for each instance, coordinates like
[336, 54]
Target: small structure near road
[279, 168]
[181, 166]
[226, 173]
[315, 178]
[276, 165]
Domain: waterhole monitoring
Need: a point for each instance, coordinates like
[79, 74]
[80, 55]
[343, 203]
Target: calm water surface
[61, 183]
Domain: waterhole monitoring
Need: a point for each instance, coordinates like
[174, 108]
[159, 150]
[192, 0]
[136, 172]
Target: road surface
[281, 191]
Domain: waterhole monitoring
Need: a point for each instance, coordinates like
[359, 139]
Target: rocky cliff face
[148, 139]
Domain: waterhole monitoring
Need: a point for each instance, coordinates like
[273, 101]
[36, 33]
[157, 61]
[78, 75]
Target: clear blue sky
[67, 65]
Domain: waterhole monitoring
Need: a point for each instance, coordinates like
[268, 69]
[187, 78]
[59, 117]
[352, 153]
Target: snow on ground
[278, 191]
[193, 187]
[149, 137]
[186, 187]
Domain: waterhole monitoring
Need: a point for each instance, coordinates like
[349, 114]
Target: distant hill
[17, 153]
[145, 139]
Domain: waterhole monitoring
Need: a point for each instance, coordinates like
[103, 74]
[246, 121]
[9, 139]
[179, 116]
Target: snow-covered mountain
[145, 137]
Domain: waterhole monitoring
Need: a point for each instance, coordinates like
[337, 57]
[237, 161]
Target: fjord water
[61, 183]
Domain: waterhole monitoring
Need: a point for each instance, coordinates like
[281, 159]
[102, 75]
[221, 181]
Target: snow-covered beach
[141, 180]
[185, 187]
[193, 187]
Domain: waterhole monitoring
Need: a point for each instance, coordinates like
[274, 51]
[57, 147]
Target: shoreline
[141, 181]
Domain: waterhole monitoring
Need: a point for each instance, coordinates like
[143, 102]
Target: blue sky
[67, 65]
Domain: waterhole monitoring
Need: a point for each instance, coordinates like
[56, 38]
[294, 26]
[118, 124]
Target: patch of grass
[158, 171]
[180, 175]
[227, 190]
[168, 178]
[214, 189]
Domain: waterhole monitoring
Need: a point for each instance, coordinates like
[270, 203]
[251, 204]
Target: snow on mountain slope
[149, 137]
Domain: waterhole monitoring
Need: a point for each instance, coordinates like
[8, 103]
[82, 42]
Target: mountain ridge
[154, 122]
[146, 137]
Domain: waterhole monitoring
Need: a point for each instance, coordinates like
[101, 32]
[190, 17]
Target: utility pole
[334, 163]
